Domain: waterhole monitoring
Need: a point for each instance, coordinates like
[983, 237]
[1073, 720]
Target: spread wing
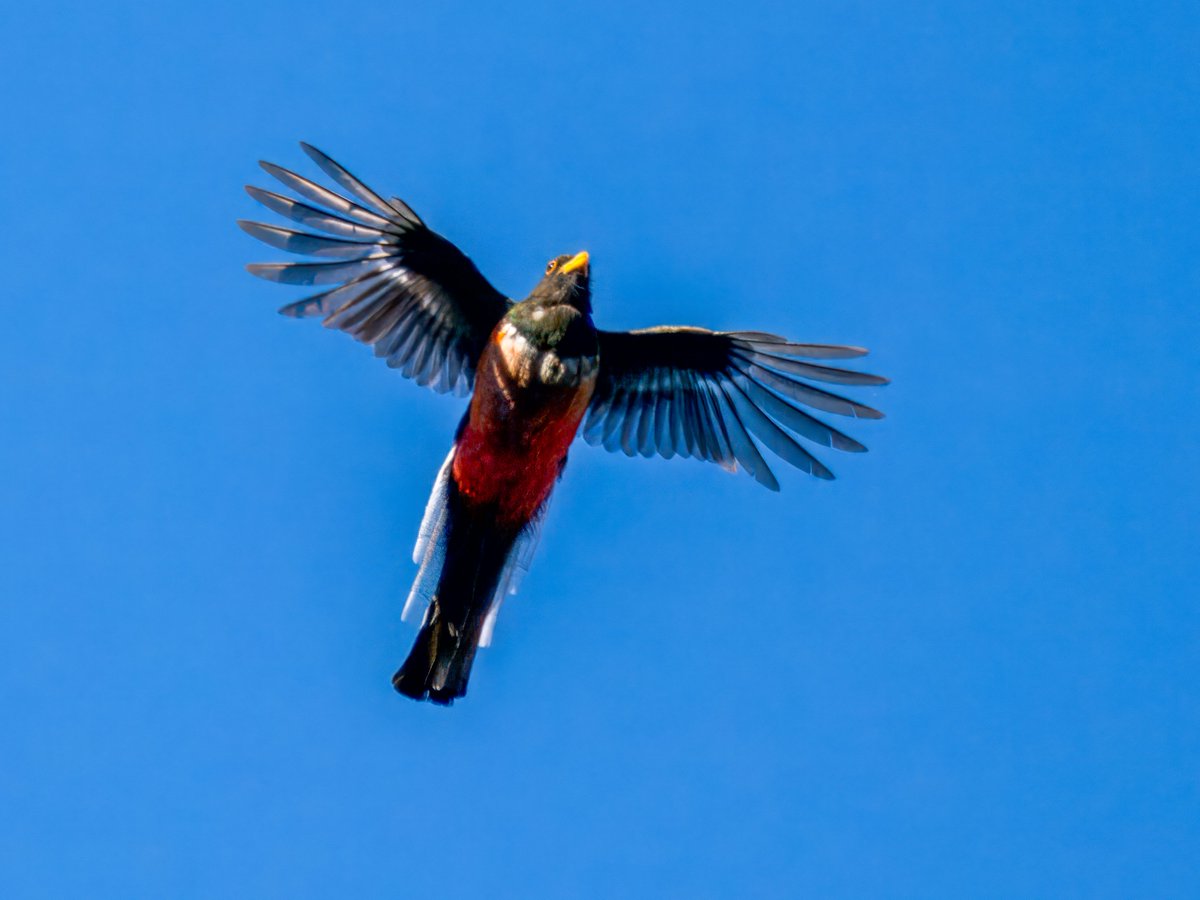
[710, 394]
[398, 285]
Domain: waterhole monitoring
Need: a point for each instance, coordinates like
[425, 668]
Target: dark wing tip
[866, 379]
[256, 230]
[820, 470]
[257, 193]
[312, 152]
[268, 271]
[293, 311]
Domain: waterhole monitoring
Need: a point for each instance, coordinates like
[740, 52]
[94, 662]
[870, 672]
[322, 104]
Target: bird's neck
[558, 326]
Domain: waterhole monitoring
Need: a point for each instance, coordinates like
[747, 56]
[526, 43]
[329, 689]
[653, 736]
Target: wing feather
[349, 183]
[397, 285]
[681, 391]
[306, 244]
[312, 217]
[810, 370]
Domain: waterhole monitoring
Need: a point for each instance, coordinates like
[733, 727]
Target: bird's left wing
[708, 394]
[400, 286]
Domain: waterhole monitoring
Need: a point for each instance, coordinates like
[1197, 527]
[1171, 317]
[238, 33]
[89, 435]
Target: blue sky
[967, 667]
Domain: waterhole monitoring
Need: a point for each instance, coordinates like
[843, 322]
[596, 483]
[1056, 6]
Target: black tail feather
[477, 548]
[439, 664]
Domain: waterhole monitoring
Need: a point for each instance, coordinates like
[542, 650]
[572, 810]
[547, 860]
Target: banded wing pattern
[396, 284]
[716, 395]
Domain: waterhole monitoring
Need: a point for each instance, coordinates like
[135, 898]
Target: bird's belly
[516, 437]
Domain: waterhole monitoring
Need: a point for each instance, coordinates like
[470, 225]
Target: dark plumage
[535, 369]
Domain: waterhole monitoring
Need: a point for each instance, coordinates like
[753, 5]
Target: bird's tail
[470, 555]
[439, 664]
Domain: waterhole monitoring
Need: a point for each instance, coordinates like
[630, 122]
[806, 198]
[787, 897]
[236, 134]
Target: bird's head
[566, 281]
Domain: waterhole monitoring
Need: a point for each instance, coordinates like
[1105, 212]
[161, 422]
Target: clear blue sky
[968, 667]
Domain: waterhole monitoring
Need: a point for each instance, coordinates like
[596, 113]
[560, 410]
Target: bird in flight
[537, 371]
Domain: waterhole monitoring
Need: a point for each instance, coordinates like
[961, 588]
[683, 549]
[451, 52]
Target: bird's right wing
[400, 286]
[694, 392]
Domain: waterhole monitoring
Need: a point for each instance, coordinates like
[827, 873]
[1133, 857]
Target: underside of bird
[538, 372]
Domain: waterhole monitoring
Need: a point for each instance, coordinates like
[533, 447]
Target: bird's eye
[552, 266]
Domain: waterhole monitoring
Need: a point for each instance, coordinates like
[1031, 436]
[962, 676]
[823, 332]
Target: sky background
[968, 667]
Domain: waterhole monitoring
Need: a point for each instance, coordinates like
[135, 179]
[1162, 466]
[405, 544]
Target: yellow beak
[578, 261]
